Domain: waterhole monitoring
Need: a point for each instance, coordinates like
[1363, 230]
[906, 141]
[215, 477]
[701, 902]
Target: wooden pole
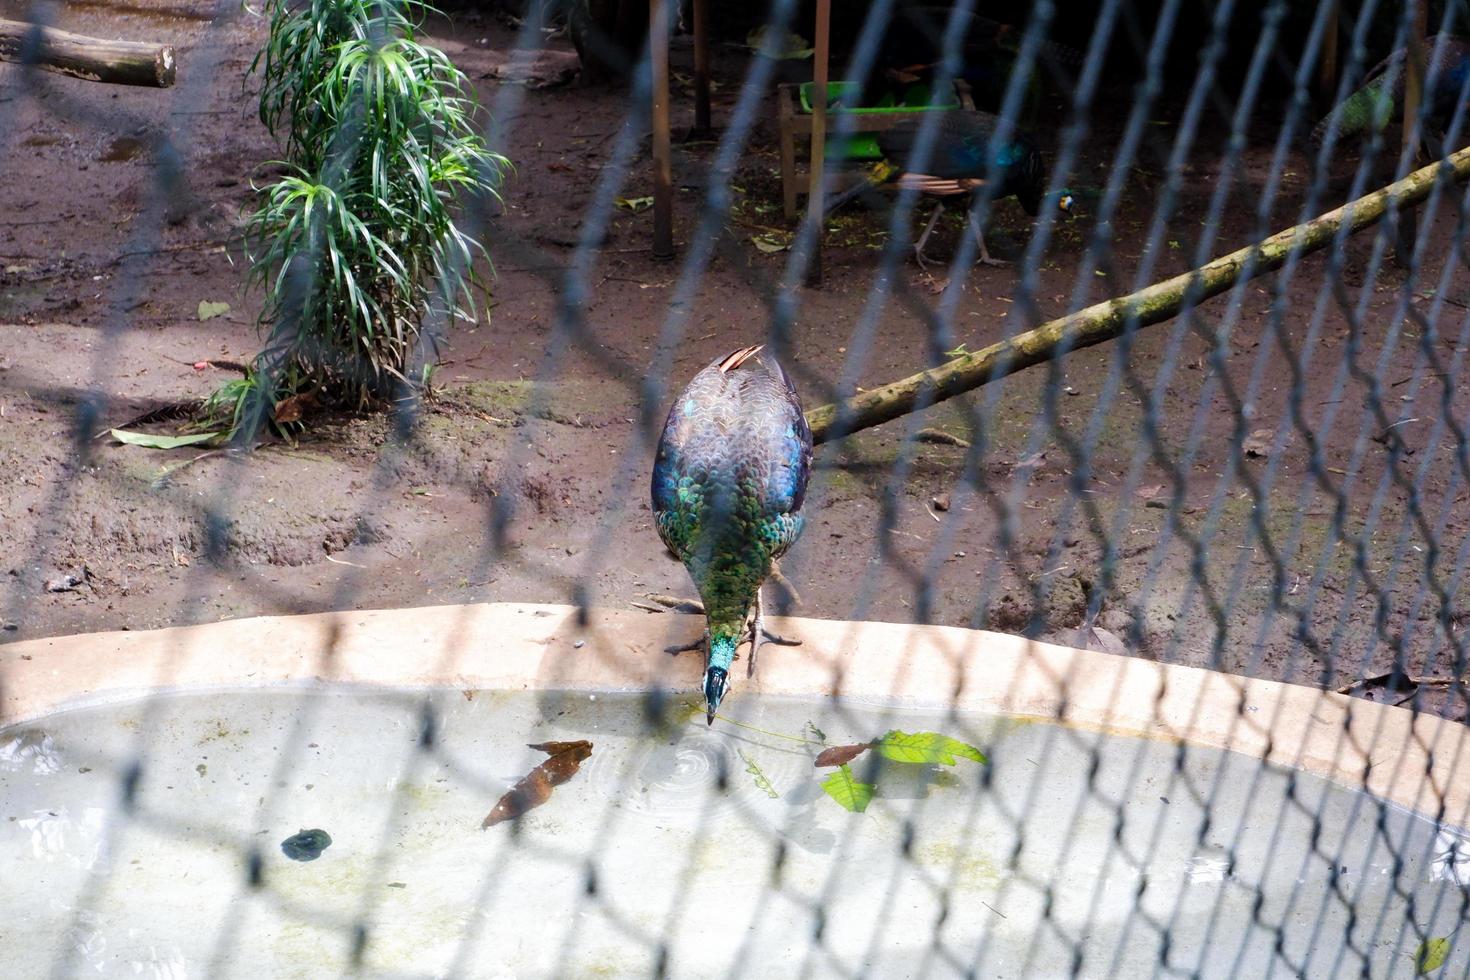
[90, 58]
[1413, 94]
[701, 66]
[663, 165]
[1327, 66]
[814, 199]
[1154, 304]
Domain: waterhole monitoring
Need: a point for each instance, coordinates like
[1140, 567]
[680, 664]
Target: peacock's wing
[785, 442]
[961, 149]
[731, 471]
[960, 145]
[679, 472]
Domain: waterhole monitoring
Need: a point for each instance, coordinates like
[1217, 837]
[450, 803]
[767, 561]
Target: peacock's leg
[759, 632]
[924, 237]
[985, 258]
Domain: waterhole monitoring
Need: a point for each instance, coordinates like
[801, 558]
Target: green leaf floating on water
[850, 794]
[926, 747]
[762, 783]
[1431, 955]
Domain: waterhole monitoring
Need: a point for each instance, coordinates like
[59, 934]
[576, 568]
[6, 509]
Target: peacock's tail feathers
[735, 359]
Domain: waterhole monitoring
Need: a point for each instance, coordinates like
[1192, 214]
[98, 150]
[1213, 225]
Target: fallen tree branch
[90, 58]
[1103, 321]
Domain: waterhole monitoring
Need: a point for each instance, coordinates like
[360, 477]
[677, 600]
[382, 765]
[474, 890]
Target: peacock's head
[1066, 202]
[716, 683]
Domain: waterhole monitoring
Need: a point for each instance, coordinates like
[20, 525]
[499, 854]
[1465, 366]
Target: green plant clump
[355, 244]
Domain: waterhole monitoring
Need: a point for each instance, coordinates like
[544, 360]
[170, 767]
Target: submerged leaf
[841, 755]
[535, 789]
[1431, 955]
[150, 440]
[762, 783]
[850, 794]
[926, 747]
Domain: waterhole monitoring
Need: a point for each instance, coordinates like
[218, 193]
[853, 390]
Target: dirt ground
[100, 285]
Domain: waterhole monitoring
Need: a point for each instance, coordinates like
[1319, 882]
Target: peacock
[729, 480]
[958, 160]
[1380, 99]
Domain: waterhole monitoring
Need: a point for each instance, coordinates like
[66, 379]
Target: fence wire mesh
[1268, 480]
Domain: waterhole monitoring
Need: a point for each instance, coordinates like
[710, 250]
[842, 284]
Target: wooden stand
[794, 124]
[90, 58]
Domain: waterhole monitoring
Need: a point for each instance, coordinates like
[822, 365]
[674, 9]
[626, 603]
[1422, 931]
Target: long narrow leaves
[356, 242]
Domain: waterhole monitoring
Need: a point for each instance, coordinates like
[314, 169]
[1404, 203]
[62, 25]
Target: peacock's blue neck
[722, 645]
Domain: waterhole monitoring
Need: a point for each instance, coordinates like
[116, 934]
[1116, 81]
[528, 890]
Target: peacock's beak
[716, 682]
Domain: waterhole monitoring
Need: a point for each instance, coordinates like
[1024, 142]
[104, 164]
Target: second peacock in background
[959, 162]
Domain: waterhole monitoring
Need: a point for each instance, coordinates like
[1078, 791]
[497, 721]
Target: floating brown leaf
[841, 755]
[535, 789]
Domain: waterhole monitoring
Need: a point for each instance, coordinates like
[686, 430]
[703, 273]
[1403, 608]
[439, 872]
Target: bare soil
[100, 282]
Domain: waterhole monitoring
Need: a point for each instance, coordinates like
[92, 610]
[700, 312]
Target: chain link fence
[1269, 479]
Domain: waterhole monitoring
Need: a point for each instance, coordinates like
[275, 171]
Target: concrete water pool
[141, 825]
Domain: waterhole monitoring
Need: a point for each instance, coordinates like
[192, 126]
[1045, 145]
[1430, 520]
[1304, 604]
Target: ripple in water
[656, 778]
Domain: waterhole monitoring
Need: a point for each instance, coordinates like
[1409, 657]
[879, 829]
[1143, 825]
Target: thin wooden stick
[1103, 321]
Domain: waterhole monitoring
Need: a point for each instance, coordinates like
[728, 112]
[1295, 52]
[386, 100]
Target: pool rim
[1411, 759]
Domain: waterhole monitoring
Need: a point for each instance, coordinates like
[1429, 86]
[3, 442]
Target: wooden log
[1103, 321]
[90, 58]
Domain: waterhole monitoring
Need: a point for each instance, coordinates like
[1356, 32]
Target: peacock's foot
[992, 261]
[780, 641]
[757, 633]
